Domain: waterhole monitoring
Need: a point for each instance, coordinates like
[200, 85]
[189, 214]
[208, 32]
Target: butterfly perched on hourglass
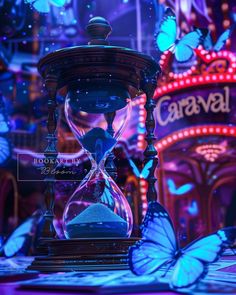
[167, 38]
[44, 5]
[160, 248]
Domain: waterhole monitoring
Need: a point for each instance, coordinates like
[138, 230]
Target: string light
[194, 131]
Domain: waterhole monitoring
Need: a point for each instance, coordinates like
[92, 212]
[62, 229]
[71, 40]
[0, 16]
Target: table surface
[221, 274]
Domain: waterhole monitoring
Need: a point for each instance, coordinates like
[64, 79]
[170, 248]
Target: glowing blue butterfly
[20, 240]
[44, 5]
[159, 248]
[179, 191]
[145, 171]
[166, 38]
[193, 208]
[208, 44]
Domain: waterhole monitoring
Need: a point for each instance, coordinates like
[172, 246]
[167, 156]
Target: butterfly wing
[208, 44]
[146, 170]
[58, 3]
[192, 265]
[184, 48]
[166, 35]
[4, 127]
[222, 39]
[158, 244]
[4, 149]
[183, 189]
[19, 241]
[171, 186]
[134, 168]
[40, 5]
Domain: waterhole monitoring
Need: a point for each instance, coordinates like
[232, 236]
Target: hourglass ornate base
[84, 255]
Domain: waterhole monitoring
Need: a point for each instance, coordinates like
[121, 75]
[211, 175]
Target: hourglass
[100, 82]
[97, 208]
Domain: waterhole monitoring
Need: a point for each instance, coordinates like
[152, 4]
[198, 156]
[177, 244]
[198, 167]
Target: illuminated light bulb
[214, 77]
[228, 77]
[194, 80]
[225, 53]
[180, 76]
[169, 139]
[181, 83]
[175, 136]
[169, 86]
[142, 100]
[200, 79]
[171, 74]
[218, 130]
[230, 70]
[180, 135]
[224, 6]
[198, 131]
[164, 88]
[176, 84]
[226, 23]
[192, 132]
[208, 56]
[234, 77]
[140, 137]
[188, 81]
[145, 205]
[159, 145]
[224, 130]
[221, 77]
[219, 53]
[159, 90]
[163, 56]
[164, 142]
[232, 131]
[211, 130]
[204, 130]
[233, 65]
[186, 133]
[207, 78]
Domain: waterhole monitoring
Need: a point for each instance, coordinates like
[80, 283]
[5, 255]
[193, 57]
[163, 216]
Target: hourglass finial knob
[99, 29]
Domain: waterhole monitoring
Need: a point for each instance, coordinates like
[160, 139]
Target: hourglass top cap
[98, 29]
[98, 62]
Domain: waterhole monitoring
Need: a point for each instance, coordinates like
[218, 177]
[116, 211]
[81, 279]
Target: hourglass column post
[150, 153]
[48, 230]
[110, 165]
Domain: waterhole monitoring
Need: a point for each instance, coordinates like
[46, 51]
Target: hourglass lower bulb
[97, 208]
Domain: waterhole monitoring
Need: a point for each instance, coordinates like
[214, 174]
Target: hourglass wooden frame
[97, 62]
